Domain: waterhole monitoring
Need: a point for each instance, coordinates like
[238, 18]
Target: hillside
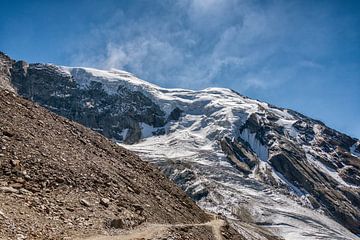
[59, 179]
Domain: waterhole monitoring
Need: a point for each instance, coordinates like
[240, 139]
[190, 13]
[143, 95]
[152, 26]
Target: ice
[124, 133]
[147, 130]
[260, 150]
[288, 125]
[281, 113]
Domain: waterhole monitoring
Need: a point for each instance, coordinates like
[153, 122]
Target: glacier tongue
[245, 201]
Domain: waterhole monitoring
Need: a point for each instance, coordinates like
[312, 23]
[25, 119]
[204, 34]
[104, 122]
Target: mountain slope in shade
[257, 164]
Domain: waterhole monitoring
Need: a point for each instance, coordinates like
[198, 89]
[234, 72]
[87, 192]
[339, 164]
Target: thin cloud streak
[211, 37]
[198, 43]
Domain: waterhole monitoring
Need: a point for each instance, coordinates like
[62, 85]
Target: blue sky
[303, 55]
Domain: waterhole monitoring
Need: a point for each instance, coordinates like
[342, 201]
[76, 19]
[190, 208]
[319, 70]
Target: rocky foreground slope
[255, 163]
[60, 180]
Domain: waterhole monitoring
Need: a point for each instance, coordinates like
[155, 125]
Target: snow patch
[124, 133]
[353, 150]
[147, 130]
[288, 126]
[260, 149]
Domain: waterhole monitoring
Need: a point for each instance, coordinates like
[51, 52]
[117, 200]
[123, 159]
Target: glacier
[191, 146]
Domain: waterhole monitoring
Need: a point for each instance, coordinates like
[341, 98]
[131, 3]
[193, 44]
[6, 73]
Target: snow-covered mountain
[270, 171]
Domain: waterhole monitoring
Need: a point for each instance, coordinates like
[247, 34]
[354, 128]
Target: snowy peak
[223, 104]
[86, 75]
[232, 154]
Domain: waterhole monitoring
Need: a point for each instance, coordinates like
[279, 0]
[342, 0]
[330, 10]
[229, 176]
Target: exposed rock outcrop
[5, 76]
[116, 116]
[315, 159]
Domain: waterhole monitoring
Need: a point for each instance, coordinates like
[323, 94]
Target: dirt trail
[143, 232]
[159, 230]
[216, 225]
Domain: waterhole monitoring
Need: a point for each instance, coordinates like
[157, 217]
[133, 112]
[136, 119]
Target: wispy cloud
[300, 54]
[199, 43]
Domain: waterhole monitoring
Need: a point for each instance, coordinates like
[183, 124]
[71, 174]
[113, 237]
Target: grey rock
[85, 203]
[8, 190]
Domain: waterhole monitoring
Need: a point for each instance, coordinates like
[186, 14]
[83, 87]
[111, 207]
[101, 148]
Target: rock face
[316, 160]
[115, 116]
[59, 179]
[251, 161]
[5, 75]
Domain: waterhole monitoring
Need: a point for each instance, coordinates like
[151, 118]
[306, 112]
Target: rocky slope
[60, 180]
[251, 161]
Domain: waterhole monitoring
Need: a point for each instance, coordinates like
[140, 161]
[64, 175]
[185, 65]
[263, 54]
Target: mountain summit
[256, 164]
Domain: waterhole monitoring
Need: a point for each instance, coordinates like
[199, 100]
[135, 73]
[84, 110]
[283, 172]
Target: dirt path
[143, 232]
[151, 231]
[216, 225]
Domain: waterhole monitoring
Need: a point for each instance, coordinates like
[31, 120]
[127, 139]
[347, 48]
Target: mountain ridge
[189, 134]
